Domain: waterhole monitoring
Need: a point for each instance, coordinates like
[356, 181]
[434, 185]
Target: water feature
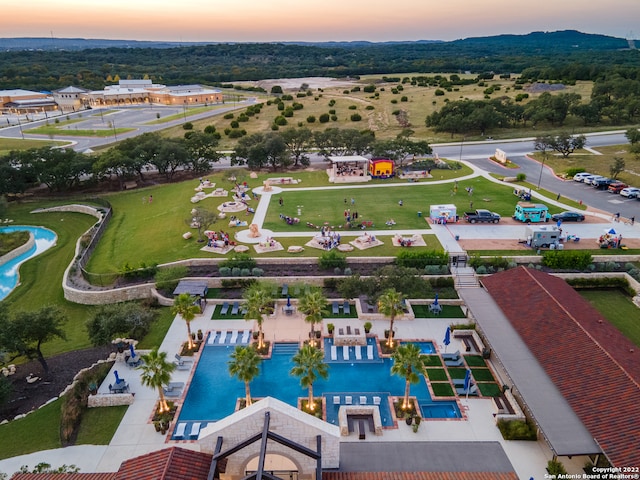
[9, 275]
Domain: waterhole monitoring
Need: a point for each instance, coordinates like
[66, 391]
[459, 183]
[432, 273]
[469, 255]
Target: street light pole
[544, 158]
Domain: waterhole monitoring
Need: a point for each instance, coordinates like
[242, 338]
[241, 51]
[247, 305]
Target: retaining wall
[18, 251]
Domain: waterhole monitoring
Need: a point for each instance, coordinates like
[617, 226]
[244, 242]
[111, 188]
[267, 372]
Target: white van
[579, 177]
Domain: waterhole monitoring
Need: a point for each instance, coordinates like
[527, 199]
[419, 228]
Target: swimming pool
[213, 392]
[426, 348]
[44, 239]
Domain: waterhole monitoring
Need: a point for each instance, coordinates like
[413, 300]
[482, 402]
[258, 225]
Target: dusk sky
[289, 20]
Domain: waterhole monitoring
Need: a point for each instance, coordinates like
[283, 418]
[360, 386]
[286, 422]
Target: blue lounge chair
[473, 390]
[454, 363]
[235, 308]
[347, 308]
[225, 308]
[451, 356]
[336, 308]
[285, 290]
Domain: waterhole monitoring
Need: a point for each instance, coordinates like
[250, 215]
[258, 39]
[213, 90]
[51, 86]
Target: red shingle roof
[168, 464]
[595, 367]
[418, 476]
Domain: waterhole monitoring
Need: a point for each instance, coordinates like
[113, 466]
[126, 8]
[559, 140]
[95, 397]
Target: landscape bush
[332, 259]
[517, 430]
[241, 260]
[421, 258]
[566, 259]
[126, 319]
[167, 278]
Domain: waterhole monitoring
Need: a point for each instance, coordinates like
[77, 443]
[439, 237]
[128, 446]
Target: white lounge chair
[348, 400]
[358, 352]
[212, 338]
[334, 353]
[369, 352]
[195, 429]
[179, 433]
[234, 336]
[223, 336]
[363, 400]
[377, 400]
[245, 336]
[345, 352]
[336, 399]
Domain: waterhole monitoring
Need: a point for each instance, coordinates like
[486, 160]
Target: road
[477, 153]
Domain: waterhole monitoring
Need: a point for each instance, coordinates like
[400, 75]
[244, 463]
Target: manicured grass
[482, 375]
[217, 315]
[490, 389]
[37, 431]
[158, 330]
[437, 374]
[11, 241]
[188, 112]
[9, 144]
[475, 361]
[457, 372]
[41, 278]
[431, 360]
[448, 311]
[99, 425]
[328, 312]
[443, 389]
[618, 308]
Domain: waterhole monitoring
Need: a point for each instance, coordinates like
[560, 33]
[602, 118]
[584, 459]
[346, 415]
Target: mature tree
[126, 319]
[312, 304]
[400, 149]
[390, 304]
[15, 172]
[114, 162]
[261, 150]
[617, 167]
[184, 305]
[633, 135]
[244, 364]
[259, 302]
[564, 143]
[203, 150]
[60, 169]
[156, 373]
[170, 156]
[202, 219]
[298, 142]
[309, 365]
[276, 90]
[24, 334]
[407, 364]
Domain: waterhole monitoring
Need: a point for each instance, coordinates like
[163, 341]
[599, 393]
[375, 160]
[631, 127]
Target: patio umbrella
[447, 338]
[288, 300]
[611, 231]
[467, 382]
[559, 223]
[115, 372]
[435, 300]
[133, 352]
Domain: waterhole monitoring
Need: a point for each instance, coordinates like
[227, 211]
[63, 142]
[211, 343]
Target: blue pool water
[426, 348]
[44, 239]
[213, 392]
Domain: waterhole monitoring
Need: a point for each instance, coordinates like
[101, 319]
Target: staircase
[288, 349]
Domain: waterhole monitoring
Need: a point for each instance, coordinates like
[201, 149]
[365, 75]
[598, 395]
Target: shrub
[187, 126]
[420, 259]
[234, 124]
[521, 177]
[312, 119]
[352, 107]
[228, 116]
[356, 117]
[337, 271]
[404, 98]
[257, 272]
[369, 88]
[245, 272]
[280, 120]
[224, 271]
[241, 260]
[332, 102]
[236, 271]
[236, 133]
[369, 107]
[332, 259]
[566, 259]
[439, 93]
[323, 118]
[347, 271]
[334, 118]
[517, 430]
[572, 172]
[555, 469]
[127, 319]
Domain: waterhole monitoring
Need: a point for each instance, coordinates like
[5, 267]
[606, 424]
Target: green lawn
[9, 144]
[618, 308]
[448, 311]
[37, 431]
[41, 278]
[99, 425]
[437, 374]
[442, 389]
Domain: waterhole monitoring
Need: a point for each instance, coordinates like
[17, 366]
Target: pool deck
[136, 435]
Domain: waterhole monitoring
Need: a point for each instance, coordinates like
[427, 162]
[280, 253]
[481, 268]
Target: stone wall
[110, 400]
[18, 251]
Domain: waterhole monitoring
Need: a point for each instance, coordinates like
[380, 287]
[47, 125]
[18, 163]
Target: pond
[9, 275]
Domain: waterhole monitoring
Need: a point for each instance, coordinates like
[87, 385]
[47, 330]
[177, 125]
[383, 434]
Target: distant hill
[536, 40]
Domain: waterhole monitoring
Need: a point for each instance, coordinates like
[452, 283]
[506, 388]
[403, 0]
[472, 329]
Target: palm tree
[309, 365]
[156, 373]
[184, 305]
[245, 364]
[390, 304]
[407, 364]
[312, 305]
[259, 302]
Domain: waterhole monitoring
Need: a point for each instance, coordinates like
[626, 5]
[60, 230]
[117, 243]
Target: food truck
[543, 236]
[528, 212]
[443, 213]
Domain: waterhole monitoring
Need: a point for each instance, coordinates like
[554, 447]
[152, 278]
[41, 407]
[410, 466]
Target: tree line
[63, 169]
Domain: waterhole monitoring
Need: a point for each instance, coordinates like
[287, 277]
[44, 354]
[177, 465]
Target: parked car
[579, 177]
[592, 178]
[603, 183]
[617, 187]
[630, 192]
[568, 217]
